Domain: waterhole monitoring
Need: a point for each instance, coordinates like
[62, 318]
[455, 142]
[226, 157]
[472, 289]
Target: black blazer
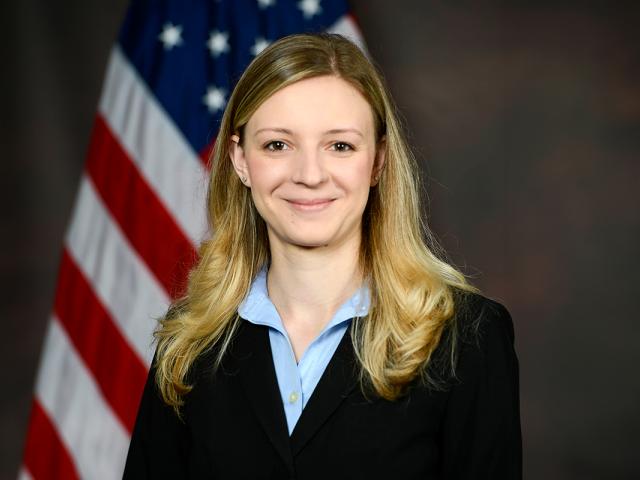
[234, 426]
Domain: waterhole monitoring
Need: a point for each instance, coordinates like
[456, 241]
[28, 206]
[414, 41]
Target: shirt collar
[258, 308]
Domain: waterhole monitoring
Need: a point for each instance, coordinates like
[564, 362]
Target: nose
[309, 168]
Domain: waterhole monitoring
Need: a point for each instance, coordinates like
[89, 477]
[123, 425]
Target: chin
[315, 237]
[309, 243]
[308, 238]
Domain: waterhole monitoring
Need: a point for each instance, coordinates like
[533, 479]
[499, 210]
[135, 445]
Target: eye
[276, 146]
[342, 147]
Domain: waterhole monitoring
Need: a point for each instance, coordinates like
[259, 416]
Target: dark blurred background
[525, 116]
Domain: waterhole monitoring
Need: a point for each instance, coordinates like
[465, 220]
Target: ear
[236, 153]
[378, 163]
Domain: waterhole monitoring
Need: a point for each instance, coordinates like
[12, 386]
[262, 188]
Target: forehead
[319, 103]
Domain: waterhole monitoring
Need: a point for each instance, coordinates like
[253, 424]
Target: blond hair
[412, 289]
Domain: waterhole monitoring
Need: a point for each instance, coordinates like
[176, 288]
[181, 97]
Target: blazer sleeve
[481, 429]
[159, 442]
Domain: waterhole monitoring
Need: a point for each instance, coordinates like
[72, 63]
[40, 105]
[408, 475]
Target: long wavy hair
[412, 286]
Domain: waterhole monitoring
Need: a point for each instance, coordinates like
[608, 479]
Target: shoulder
[483, 338]
[239, 341]
[479, 319]
[481, 424]
[479, 336]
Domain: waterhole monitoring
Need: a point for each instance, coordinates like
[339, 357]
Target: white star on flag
[214, 99]
[260, 45]
[266, 3]
[171, 36]
[218, 43]
[309, 8]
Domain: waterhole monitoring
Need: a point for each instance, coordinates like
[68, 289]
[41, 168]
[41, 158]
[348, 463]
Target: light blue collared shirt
[298, 380]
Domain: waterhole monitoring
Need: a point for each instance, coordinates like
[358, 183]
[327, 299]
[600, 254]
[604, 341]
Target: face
[310, 157]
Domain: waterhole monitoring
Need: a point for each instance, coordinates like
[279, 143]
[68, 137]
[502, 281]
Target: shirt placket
[289, 380]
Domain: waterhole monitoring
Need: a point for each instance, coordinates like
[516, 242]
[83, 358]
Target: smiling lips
[310, 205]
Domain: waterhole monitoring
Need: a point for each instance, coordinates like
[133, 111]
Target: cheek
[265, 174]
[257, 167]
[358, 177]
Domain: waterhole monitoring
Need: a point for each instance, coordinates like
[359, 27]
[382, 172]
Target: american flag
[139, 215]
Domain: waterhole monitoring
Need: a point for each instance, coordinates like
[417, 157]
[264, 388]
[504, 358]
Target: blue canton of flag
[190, 53]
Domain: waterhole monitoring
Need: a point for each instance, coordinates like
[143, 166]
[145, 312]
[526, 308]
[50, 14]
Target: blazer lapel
[338, 379]
[258, 377]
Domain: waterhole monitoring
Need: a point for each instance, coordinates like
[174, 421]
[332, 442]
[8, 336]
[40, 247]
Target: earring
[243, 179]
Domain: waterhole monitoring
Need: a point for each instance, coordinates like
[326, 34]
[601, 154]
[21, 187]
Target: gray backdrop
[525, 118]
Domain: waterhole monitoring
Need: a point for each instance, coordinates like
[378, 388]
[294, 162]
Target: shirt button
[293, 396]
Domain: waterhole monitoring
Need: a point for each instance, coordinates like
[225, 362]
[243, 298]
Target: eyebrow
[331, 132]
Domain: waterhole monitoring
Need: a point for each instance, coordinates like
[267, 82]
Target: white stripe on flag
[347, 26]
[93, 436]
[155, 145]
[118, 276]
[24, 474]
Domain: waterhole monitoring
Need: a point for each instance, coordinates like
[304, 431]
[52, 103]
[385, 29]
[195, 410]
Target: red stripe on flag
[355, 20]
[145, 221]
[118, 371]
[205, 154]
[45, 456]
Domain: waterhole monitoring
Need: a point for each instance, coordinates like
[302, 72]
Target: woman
[320, 335]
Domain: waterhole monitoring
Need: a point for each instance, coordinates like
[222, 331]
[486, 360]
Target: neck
[308, 285]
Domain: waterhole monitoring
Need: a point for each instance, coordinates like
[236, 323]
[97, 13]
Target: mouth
[310, 205]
